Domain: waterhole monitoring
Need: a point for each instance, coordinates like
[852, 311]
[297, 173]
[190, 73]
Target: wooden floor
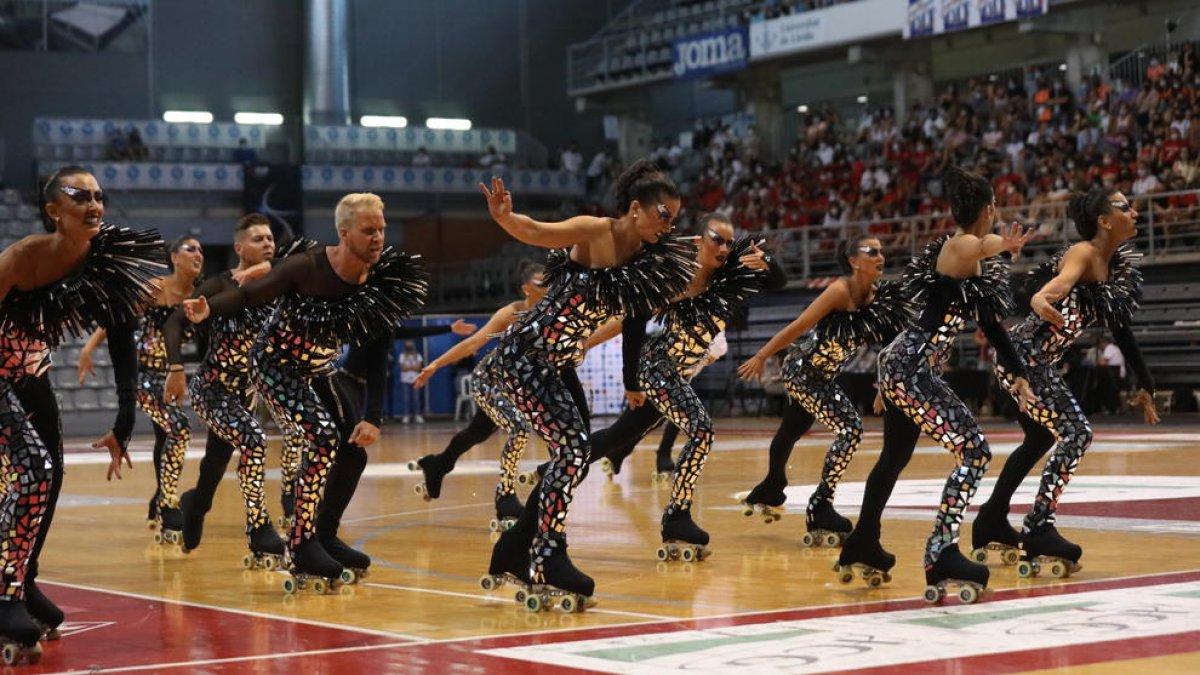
[762, 602]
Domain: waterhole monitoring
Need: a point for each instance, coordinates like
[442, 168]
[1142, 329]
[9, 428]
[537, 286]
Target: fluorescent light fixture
[447, 123]
[862, 99]
[394, 121]
[1062, 67]
[802, 109]
[196, 116]
[272, 119]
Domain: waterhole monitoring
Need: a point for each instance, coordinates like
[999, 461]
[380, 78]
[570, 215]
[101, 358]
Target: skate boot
[953, 569]
[664, 468]
[863, 554]
[170, 527]
[1046, 548]
[508, 509]
[19, 634]
[555, 577]
[826, 527]
[193, 521]
[353, 560]
[682, 538]
[310, 566]
[45, 613]
[611, 466]
[152, 513]
[435, 469]
[266, 549]
[509, 564]
[992, 532]
[766, 498]
[288, 520]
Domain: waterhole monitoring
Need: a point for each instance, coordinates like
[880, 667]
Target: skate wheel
[979, 555]
[748, 511]
[567, 604]
[1010, 557]
[845, 576]
[688, 554]
[1025, 569]
[933, 595]
[158, 538]
[487, 583]
[10, 654]
[247, 562]
[967, 595]
[348, 577]
[874, 580]
[319, 587]
[833, 540]
[269, 563]
[419, 488]
[1058, 570]
[808, 539]
[289, 585]
[521, 596]
[494, 526]
[413, 466]
[662, 553]
[533, 602]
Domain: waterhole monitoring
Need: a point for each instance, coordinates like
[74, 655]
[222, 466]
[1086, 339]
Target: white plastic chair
[464, 398]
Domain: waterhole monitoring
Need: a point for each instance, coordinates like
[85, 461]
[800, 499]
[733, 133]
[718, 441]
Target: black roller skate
[434, 469]
[19, 634]
[509, 564]
[555, 577]
[533, 477]
[1046, 549]
[664, 468]
[310, 566]
[45, 613]
[953, 569]
[170, 527]
[991, 531]
[193, 521]
[863, 554]
[355, 561]
[766, 498]
[682, 538]
[152, 513]
[266, 549]
[826, 527]
[508, 510]
[611, 466]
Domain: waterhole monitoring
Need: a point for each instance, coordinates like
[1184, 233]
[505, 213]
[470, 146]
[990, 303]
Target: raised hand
[1015, 236]
[754, 259]
[499, 200]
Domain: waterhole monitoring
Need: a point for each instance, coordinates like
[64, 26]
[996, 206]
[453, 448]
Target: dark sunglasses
[718, 240]
[191, 248]
[1123, 207]
[870, 250]
[81, 196]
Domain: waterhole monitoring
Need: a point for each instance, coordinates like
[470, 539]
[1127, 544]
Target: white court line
[431, 509]
[492, 598]
[246, 612]
[236, 659]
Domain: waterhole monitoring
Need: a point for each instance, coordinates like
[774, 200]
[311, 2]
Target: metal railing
[1131, 67]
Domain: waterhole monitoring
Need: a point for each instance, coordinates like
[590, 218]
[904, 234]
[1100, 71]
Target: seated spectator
[118, 146]
[571, 160]
[422, 158]
[244, 154]
[492, 159]
[138, 151]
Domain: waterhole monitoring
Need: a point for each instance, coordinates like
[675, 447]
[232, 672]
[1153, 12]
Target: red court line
[134, 632]
[1187, 508]
[468, 651]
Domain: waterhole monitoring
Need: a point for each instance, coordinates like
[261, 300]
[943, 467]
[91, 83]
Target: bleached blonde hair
[351, 204]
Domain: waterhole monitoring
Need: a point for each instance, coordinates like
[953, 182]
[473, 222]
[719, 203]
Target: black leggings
[39, 403]
[1038, 440]
[900, 437]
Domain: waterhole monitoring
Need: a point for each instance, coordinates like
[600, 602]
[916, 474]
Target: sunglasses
[870, 250]
[81, 196]
[1123, 207]
[191, 248]
[718, 240]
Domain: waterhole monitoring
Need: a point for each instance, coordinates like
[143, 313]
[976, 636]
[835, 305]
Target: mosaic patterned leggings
[503, 414]
[29, 475]
[229, 416]
[1057, 411]
[317, 407]
[172, 421]
[818, 398]
[926, 401]
[544, 399]
[672, 395]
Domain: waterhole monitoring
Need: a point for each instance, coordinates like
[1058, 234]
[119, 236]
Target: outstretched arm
[503, 318]
[577, 230]
[834, 298]
[1042, 302]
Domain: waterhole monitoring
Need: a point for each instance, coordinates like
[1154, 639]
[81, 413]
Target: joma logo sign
[714, 52]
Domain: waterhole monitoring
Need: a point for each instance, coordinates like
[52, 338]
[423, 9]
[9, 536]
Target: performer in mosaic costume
[80, 274]
[957, 278]
[494, 409]
[629, 265]
[172, 429]
[358, 291]
[223, 397]
[1094, 282]
[852, 312]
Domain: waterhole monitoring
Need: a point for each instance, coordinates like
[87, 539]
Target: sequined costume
[1041, 346]
[171, 420]
[550, 337]
[919, 398]
[810, 372]
[110, 289]
[292, 360]
[222, 395]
